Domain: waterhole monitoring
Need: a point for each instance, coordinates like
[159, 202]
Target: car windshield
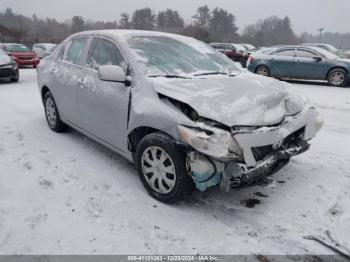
[325, 53]
[331, 48]
[240, 48]
[48, 47]
[16, 48]
[52, 48]
[162, 55]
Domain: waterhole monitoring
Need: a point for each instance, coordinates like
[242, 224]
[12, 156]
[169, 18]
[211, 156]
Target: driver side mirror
[112, 73]
[317, 58]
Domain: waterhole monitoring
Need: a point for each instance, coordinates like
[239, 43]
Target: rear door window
[305, 54]
[286, 52]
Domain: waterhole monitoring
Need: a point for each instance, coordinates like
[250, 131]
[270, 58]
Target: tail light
[249, 60]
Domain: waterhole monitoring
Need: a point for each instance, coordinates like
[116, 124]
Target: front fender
[148, 110]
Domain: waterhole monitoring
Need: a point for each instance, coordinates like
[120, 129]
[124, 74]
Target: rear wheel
[162, 168]
[262, 70]
[52, 116]
[338, 77]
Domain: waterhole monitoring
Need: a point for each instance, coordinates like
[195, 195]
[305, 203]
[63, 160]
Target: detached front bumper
[265, 151]
[270, 165]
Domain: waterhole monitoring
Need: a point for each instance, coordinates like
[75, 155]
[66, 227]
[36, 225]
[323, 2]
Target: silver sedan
[186, 115]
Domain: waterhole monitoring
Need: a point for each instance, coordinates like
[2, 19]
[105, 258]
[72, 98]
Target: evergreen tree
[202, 17]
[143, 19]
[222, 26]
[124, 22]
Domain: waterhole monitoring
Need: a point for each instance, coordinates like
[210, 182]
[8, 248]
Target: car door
[310, 65]
[102, 105]
[64, 77]
[282, 63]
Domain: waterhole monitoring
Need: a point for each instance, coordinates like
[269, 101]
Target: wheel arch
[334, 68]
[262, 64]
[43, 92]
[137, 134]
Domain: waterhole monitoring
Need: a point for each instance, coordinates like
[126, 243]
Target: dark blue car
[300, 62]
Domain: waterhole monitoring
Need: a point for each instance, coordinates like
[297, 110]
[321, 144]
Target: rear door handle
[53, 71]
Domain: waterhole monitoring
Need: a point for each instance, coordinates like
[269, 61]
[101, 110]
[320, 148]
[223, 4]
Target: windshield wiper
[210, 73]
[170, 76]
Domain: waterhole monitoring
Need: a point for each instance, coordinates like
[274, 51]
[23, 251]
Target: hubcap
[337, 78]
[50, 111]
[158, 169]
[263, 71]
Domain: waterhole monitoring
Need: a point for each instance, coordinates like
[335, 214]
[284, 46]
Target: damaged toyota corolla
[186, 115]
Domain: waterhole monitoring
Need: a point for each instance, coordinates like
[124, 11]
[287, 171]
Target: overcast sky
[306, 15]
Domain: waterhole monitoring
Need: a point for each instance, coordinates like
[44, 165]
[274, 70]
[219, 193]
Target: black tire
[263, 70]
[15, 78]
[183, 185]
[57, 125]
[338, 78]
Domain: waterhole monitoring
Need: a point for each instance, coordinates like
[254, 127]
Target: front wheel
[15, 78]
[52, 116]
[338, 78]
[162, 168]
[262, 70]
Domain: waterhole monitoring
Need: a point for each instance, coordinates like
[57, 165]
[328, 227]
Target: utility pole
[320, 31]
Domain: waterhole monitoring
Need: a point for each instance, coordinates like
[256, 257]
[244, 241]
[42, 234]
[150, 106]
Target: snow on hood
[4, 59]
[246, 99]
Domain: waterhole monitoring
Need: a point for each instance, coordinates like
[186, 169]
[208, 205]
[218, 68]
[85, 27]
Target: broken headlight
[210, 140]
[294, 103]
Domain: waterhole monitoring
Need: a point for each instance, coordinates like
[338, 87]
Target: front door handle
[81, 83]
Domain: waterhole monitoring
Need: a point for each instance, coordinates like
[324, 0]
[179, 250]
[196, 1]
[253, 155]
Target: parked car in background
[43, 49]
[235, 52]
[50, 51]
[259, 51]
[21, 54]
[8, 67]
[185, 114]
[329, 48]
[249, 47]
[302, 62]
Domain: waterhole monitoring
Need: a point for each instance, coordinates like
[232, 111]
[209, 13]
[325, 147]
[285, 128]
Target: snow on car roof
[125, 33]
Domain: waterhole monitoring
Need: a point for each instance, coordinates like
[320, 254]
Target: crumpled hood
[246, 99]
[5, 59]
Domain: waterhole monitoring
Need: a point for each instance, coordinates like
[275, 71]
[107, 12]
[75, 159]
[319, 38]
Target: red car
[21, 54]
[236, 52]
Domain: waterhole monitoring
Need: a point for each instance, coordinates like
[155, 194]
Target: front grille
[261, 152]
[6, 72]
[26, 58]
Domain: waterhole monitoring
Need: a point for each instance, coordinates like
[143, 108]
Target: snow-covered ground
[65, 194]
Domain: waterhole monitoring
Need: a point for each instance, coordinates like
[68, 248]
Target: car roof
[123, 33]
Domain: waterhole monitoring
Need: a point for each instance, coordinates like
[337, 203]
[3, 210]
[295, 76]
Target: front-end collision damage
[264, 151]
[218, 154]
